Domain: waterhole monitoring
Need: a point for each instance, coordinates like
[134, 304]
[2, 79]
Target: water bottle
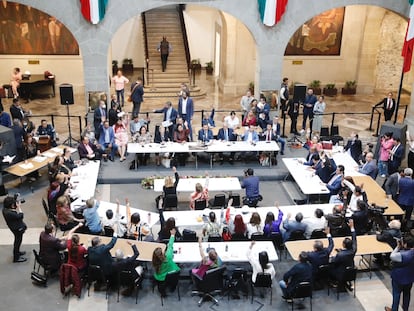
[226, 248]
[222, 215]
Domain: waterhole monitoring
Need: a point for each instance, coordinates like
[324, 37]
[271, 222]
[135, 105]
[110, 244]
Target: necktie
[268, 136]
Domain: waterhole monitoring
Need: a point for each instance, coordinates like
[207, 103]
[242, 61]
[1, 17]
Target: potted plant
[350, 88]
[127, 66]
[209, 68]
[114, 67]
[316, 86]
[195, 65]
[330, 90]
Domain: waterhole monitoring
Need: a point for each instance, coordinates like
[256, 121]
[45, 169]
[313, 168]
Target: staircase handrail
[144, 29]
[180, 9]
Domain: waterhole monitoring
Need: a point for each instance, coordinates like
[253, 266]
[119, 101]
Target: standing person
[406, 189]
[402, 274]
[245, 103]
[354, 146]
[308, 105]
[16, 77]
[284, 95]
[137, 96]
[170, 116]
[186, 111]
[384, 154]
[410, 158]
[318, 111]
[292, 110]
[388, 104]
[99, 116]
[396, 154]
[164, 47]
[13, 216]
[19, 135]
[119, 80]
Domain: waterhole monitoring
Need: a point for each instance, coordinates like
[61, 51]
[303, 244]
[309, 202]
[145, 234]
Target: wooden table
[236, 251]
[377, 195]
[145, 248]
[23, 168]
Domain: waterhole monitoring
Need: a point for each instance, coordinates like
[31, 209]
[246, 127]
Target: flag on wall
[407, 51]
[93, 10]
[271, 11]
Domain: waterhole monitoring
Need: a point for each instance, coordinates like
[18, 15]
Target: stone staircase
[166, 22]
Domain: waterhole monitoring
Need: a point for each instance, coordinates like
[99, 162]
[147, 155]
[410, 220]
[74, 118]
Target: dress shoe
[20, 259]
[22, 253]
[111, 159]
[282, 153]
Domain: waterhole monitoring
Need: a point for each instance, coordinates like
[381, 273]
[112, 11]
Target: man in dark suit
[99, 116]
[87, 150]
[345, 256]
[396, 155]
[99, 254]
[123, 263]
[391, 184]
[226, 134]
[107, 140]
[308, 105]
[170, 116]
[293, 112]
[301, 272]
[205, 134]
[388, 104]
[13, 216]
[16, 110]
[320, 255]
[335, 182]
[406, 197]
[137, 96]
[186, 111]
[293, 225]
[354, 146]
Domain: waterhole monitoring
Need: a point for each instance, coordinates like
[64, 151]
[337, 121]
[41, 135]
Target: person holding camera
[402, 274]
[13, 216]
[251, 184]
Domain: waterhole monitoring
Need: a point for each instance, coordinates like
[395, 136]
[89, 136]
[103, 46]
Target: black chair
[219, 200]
[109, 231]
[189, 236]
[263, 280]
[277, 240]
[335, 137]
[129, 279]
[46, 209]
[324, 134]
[257, 236]
[237, 281]
[297, 235]
[211, 284]
[236, 199]
[96, 274]
[301, 291]
[348, 276]
[36, 276]
[239, 237]
[318, 234]
[321, 277]
[172, 282]
[170, 202]
[200, 205]
[215, 238]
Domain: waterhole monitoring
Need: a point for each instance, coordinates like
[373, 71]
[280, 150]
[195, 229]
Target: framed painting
[321, 35]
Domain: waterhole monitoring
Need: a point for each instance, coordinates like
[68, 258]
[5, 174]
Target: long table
[28, 166]
[215, 184]
[145, 248]
[193, 147]
[186, 252]
[84, 179]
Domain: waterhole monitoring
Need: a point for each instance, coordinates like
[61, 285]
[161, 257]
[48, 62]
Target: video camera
[375, 209]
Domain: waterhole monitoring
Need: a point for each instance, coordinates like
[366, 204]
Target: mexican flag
[407, 51]
[271, 11]
[93, 10]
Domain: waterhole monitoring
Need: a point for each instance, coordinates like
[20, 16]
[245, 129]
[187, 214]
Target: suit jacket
[344, 258]
[370, 169]
[293, 225]
[16, 112]
[301, 272]
[83, 153]
[317, 258]
[293, 109]
[406, 196]
[360, 221]
[355, 148]
[127, 264]
[230, 133]
[403, 272]
[336, 185]
[50, 248]
[396, 158]
[100, 255]
[205, 138]
[102, 135]
[384, 102]
[14, 219]
[189, 110]
[97, 118]
[263, 135]
[138, 94]
[388, 235]
[391, 185]
[255, 136]
[173, 115]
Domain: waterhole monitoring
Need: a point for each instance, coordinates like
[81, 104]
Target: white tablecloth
[215, 184]
[84, 180]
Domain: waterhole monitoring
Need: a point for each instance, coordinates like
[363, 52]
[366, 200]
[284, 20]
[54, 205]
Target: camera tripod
[70, 138]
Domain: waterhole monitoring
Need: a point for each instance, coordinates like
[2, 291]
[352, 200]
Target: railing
[180, 9]
[54, 117]
[144, 29]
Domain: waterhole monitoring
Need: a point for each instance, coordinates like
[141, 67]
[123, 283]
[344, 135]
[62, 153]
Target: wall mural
[321, 35]
[25, 30]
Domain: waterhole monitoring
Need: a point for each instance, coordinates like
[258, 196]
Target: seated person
[232, 121]
[336, 221]
[107, 140]
[200, 193]
[314, 223]
[56, 189]
[211, 261]
[237, 227]
[276, 132]
[250, 120]
[31, 150]
[370, 166]
[45, 129]
[166, 227]
[389, 235]
[90, 213]
[136, 124]
[335, 182]
[211, 227]
[87, 150]
[326, 168]
[163, 263]
[209, 120]
[254, 225]
[143, 137]
[357, 194]
[77, 253]
[114, 222]
[181, 136]
[260, 264]
[137, 229]
[262, 112]
[68, 161]
[320, 255]
[272, 225]
[169, 188]
[360, 217]
[250, 136]
[64, 214]
[301, 272]
[226, 134]
[309, 158]
[205, 135]
[293, 225]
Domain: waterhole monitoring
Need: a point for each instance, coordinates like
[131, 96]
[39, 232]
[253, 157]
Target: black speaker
[398, 130]
[7, 141]
[66, 94]
[299, 93]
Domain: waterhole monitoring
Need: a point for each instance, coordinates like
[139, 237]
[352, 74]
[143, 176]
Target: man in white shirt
[314, 223]
[232, 121]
